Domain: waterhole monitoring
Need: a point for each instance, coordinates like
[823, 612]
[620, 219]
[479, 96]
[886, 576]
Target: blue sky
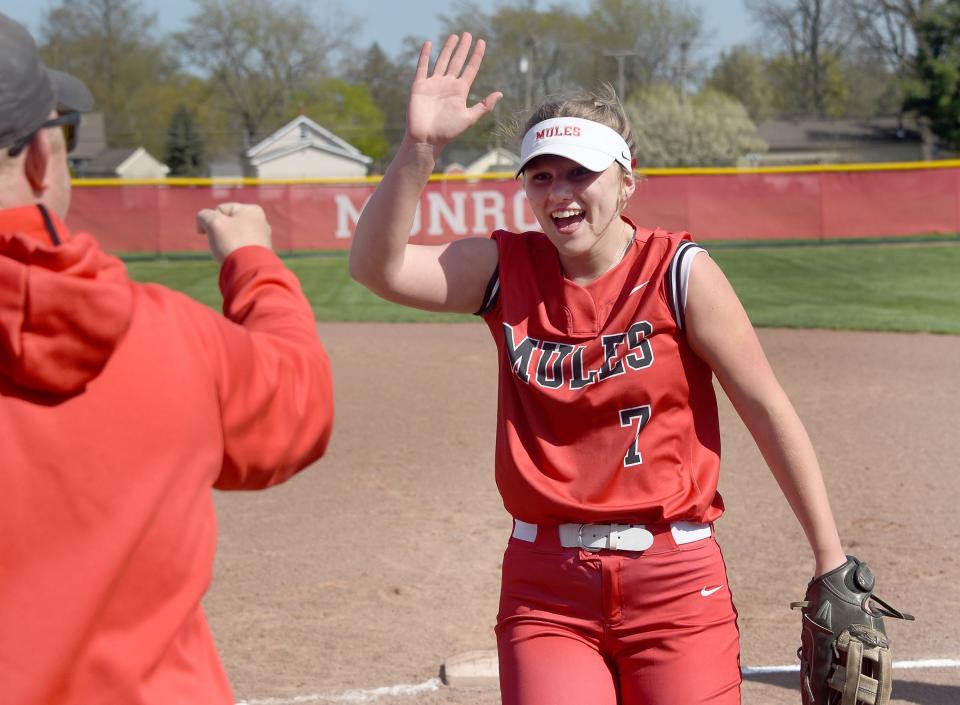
[726, 21]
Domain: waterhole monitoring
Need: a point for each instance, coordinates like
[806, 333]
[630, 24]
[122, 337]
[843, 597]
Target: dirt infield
[372, 567]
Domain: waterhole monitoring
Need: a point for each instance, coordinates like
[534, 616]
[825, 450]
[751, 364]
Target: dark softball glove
[844, 651]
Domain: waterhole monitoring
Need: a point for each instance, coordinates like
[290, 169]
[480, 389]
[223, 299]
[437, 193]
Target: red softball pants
[656, 627]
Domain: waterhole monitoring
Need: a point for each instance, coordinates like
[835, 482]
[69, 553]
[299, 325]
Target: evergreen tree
[934, 93]
[185, 150]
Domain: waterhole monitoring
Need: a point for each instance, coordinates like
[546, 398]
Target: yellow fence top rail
[499, 176]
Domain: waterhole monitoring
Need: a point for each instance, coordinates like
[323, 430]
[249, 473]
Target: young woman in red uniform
[608, 335]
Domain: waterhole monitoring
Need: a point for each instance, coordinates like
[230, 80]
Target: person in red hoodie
[122, 405]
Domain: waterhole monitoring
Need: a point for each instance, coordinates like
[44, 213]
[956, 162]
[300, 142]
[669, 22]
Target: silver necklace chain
[623, 253]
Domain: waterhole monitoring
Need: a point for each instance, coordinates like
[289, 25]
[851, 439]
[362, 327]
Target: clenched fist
[231, 226]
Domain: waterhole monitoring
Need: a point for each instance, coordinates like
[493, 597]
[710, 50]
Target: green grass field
[882, 287]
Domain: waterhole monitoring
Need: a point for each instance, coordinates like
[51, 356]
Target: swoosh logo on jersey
[638, 287]
[707, 592]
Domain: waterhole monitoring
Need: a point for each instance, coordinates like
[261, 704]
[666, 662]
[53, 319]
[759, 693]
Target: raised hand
[230, 226]
[438, 110]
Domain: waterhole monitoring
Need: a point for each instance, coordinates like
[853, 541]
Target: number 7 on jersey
[640, 414]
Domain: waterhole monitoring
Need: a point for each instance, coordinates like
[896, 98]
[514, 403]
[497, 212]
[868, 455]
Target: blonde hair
[599, 105]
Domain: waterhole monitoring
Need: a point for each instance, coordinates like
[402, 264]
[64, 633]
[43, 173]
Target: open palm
[438, 110]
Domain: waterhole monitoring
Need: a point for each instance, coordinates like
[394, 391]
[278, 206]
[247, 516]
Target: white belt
[614, 537]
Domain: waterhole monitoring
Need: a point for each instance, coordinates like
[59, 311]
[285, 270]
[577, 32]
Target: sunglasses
[69, 122]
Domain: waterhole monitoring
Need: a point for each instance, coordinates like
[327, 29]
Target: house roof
[114, 162]
[317, 137]
[109, 160]
[800, 135]
[497, 159]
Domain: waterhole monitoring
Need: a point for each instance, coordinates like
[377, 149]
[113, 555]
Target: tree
[871, 88]
[347, 110]
[257, 53]
[533, 52]
[185, 152]
[709, 129]
[628, 43]
[537, 54]
[811, 36]
[742, 74]
[789, 102]
[889, 27]
[659, 35]
[934, 93]
[524, 61]
[108, 44]
[388, 83]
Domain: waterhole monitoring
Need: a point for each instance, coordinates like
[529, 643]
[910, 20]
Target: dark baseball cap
[29, 91]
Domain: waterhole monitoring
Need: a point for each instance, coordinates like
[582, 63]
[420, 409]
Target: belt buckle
[591, 549]
[619, 537]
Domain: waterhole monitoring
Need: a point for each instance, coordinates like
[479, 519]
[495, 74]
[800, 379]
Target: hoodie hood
[64, 307]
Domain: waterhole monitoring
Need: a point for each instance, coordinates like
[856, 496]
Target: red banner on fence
[731, 206]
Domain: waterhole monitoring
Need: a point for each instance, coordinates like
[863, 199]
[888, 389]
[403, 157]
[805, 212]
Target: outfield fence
[811, 202]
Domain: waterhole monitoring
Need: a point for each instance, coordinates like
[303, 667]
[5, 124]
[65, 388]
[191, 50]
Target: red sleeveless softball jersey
[605, 413]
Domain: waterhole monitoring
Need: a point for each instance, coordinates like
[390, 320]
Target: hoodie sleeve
[273, 375]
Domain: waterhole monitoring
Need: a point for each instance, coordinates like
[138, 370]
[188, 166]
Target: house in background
[227, 166]
[126, 163]
[302, 149]
[496, 160]
[92, 158]
[845, 141]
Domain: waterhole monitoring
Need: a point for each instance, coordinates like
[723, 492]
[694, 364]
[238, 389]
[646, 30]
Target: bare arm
[720, 332]
[449, 277]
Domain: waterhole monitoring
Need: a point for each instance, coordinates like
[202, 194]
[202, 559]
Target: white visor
[586, 142]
